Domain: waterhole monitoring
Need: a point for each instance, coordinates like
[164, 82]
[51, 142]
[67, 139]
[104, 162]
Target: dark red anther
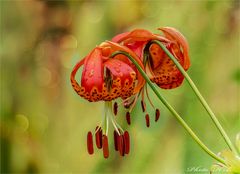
[121, 145]
[116, 140]
[126, 142]
[90, 143]
[128, 118]
[105, 146]
[143, 104]
[115, 108]
[157, 115]
[147, 120]
[98, 137]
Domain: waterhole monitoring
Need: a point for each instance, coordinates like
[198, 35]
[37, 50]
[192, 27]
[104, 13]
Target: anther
[121, 145]
[90, 143]
[105, 146]
[115, 140]
[128, 118]
[147, 120]
[98, 137]
[157, 115]
[143, 105]
[126, 142]
[115, 108]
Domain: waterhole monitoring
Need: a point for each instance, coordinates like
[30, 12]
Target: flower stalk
[200, 97]
[170, 108]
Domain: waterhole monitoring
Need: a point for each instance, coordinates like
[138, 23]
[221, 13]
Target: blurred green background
[44, 122]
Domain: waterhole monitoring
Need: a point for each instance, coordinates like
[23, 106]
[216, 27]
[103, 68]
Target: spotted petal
[74, 83]
[92, 75]
[117, 47]
[136, 35]
[175, 35]
[123, 77]
[165, 73]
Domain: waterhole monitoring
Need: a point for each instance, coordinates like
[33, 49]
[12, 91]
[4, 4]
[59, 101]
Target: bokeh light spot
[22, 122]
[43, 76]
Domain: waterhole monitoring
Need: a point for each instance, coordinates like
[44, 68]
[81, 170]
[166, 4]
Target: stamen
[128, 118]
[98, 128]
[121, 145]
[116, 140]
[150, 101]
[147, 120]
[98, 137]
[125, 101]
[105, 146]
[126, 142]
[143, 104]
[128, 103]
[157, 115]
[115, 108]
[119, 128]
[134, 103]
[115, 125]
[90, 143]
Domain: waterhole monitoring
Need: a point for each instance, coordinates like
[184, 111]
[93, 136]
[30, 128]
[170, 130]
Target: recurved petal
[117, 47]
[74, 83]
[175, 35]
[169, 81]
[92, 75]
[164, 72]
[137, 48]
[135, 36]
[119, 37]
[123, 78]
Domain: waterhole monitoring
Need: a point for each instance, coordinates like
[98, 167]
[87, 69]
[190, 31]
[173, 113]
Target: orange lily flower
[105, 78]
[159, 67]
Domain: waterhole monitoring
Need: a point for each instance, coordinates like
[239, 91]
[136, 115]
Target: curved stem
[200, 97]
[171, 109]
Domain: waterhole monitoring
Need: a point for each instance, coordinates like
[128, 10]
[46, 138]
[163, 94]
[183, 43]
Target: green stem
[170, 108]
[200, 97]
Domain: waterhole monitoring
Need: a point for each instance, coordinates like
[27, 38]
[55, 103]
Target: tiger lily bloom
[159, 67]
[105, 79]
